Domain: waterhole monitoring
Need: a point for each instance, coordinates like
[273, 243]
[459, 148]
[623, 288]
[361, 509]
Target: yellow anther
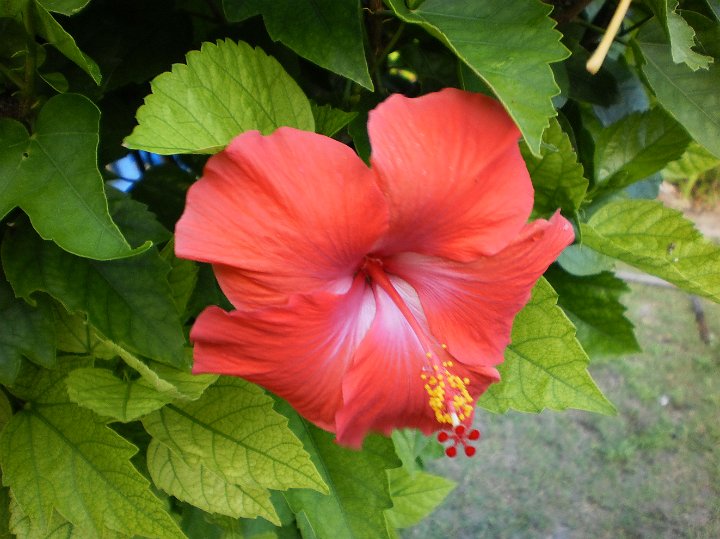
[448, 396]
[428, 355]
[423, 377]
[444, 346]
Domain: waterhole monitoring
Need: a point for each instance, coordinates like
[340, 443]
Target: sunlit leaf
[56, 455]
[221, 91]
[107, 395]
[545, 366]
[657, 240]
[492, 38]
[233, 431]
[203, 488]
[695, 161]
[415, 496]
[59, 528]
[409, 444]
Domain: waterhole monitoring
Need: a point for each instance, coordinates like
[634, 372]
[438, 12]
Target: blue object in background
[131, 168]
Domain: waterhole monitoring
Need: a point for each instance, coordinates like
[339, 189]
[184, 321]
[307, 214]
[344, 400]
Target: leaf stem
[391, 44]
[28, 88]
[12, 77]
[136, 363]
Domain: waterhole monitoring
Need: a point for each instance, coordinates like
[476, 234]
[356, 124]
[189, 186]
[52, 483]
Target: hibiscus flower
[371, 298]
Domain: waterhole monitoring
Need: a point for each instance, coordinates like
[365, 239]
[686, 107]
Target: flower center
[448, 396]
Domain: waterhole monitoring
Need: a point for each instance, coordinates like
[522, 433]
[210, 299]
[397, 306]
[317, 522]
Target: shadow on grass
[652, 471]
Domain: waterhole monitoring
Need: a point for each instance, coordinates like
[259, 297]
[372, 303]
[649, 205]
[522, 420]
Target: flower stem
[598, 57]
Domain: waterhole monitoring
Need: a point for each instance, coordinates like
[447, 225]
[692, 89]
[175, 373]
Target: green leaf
[223, 90]
[5, 514]
[138, 224]
[63, 197]
[56, 81]
[690, 96]
[409, 445]
[695, 161]
[545, 366]
[129, 399]
[52, 32]
[493, 40]
[326, 32]
[59, 528]
[233, 431]
[556, 175]
[329, 121]
[657, 240]
[203, 488]
[186, 386]
[680, 34]
[128, 300]
[714, 6]
[636, 147]
[6, 411]
[592, 304]
[10, 8]
[580, 260]
[182, 278]
[358, 485]
[66, 7]
[76, 336]
[56, 455]
[25, 330]
[415, 496]
[107, 395]
[600, 88]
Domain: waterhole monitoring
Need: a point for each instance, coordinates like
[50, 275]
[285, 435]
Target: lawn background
[652, 471]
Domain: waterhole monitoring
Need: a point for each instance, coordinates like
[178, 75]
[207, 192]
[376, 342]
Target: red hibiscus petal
[383, 389]
[299, 352]
[450, 166]
[292, 212]
[471, 307]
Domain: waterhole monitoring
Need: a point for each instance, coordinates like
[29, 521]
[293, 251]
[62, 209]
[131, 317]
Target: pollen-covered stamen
[448, 394]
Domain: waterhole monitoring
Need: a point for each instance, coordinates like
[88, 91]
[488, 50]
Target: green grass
[651, 471]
